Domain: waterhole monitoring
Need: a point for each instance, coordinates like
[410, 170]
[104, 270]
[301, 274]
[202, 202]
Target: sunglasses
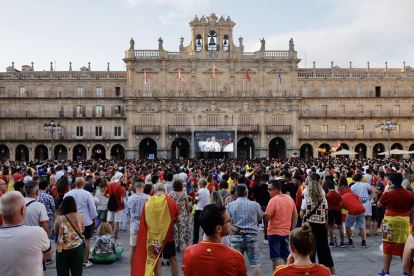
[226, 222]
[269, 189]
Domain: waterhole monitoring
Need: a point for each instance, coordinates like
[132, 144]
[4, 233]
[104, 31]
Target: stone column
[131, 151]
[164, 149]
[263, 150]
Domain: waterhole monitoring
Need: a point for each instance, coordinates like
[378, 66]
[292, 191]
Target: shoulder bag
[81, 236]
[305, 218]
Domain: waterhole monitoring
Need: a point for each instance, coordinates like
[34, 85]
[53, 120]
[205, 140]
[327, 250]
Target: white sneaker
[87, 264]
[265, 242]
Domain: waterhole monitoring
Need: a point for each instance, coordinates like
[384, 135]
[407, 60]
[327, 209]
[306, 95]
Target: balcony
[146, 130]
[358, 74]
[61, 94]
[67, 136]
[179, 129]
[356, 114]
[59, 114]
[356, 94]
[247, 128]
[65, 75]
[354, 135]
[278, 129]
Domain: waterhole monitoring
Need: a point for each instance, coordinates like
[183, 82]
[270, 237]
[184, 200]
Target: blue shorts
[278, 247]
[360, 220]
[249, 244]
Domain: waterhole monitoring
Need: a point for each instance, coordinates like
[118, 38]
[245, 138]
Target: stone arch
[246, 146]
[148, 146]
[117, 152]
[98, 152]
[4, 153]
[79, 152]
[277, 148]
[376, 149]
[361, 149]
[41, 152]
[22, 153]
[184, 147]
[306, 150]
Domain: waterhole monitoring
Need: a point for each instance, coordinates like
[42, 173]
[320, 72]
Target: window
[360, 108]
[412, 129]
[80, 91]
[2, 90]
[396, 109]
[212, 41]
[278, 120]
[79, 131]
[305, 109]
[147, 122]
[360, 129]
[118, 90]
[99, 110]
[305, 129]
[342, 128]
[324, 109]
[276, 88]
[342, 90]
[323, 90]
[324, 128]
[378, 109]
[378, 129]
[199, 43]
[117, 131]
[246, 88]
[179, 87]
[212, 84]
[98, 91]
[336, 70]
[98, 131]
[79, 109]
[359, 88]
[21, 90]
[396, 90]
[342, 109]
[180, 122]
[117, 109]
[146, 87]
[305, 90]
[212, 120]
[226, 43]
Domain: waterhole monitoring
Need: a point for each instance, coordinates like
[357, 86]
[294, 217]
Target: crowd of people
[77, 208]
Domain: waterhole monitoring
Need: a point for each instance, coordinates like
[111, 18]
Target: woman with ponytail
[301, 244]
[314, 211]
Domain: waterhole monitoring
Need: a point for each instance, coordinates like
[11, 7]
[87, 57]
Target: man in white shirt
[361, 189]
[182, 175]
[201, 199]
[85, 206]
[36, 213]
[213, 146]
[21, 242]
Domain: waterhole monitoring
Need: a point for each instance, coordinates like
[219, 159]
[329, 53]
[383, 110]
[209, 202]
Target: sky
[98, 32]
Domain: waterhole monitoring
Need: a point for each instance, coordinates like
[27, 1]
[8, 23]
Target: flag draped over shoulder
[145, 75]
[155, 227]
[249, 79]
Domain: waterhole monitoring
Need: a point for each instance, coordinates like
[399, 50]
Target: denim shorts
[278, 247]
[360, 220]
[249, 244]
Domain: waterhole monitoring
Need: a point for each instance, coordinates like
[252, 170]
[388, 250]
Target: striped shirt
[245, 214]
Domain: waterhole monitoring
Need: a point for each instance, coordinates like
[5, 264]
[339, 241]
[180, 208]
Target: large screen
[214, 142]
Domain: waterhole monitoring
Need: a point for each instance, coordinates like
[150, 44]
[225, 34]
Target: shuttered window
[147, 87]
[212, 120]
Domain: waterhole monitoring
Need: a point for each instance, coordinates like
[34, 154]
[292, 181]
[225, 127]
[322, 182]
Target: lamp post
[389, 126]
[52, 128]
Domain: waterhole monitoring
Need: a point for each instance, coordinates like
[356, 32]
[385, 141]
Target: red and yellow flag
[155, 227]
[335, 148]
[320, 150]
[292, 155]
[249, 79]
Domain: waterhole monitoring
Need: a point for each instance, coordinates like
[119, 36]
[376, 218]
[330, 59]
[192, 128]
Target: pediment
[149, 70]
[243, 71]
[182, 70]
[276, 71]
[210, 71]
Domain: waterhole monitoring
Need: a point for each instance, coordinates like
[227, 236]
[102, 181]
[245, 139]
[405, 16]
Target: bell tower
[211, 34]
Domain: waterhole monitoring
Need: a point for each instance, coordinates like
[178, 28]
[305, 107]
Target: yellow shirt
[230, 181]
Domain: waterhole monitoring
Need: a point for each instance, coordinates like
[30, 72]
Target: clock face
[213, 54]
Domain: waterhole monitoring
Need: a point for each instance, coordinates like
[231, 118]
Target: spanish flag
[292, 155]
[155, 227]
[335, 148]
[320, 150]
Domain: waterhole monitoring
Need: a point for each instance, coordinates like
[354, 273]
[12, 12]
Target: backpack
[112, 203]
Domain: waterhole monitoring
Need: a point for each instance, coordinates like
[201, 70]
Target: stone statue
[160, 42]
[245, 107]
[213, 107]
[132, 44]
[180, 107]
[262, 41]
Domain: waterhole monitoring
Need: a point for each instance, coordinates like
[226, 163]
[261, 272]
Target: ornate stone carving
[180, 107]
[213, 106]
[132, 44]
[245, 107]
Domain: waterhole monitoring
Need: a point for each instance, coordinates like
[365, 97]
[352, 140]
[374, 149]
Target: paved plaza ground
[348, 261]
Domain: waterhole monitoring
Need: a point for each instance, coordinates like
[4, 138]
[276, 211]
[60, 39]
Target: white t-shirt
[183, 176]
[203, 198]
[361, 189]
[368, 179]
[24, 243]
[35, 213]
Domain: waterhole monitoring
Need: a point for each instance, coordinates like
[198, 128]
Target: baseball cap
[118, 176]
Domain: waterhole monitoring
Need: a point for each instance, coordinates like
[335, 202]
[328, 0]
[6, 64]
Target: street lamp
[389, 126]
[52, 128]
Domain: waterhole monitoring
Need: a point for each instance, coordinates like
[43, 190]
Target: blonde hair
[103, 184]
[215, 198]
[233, 190]
[315, 192]
[103, 229]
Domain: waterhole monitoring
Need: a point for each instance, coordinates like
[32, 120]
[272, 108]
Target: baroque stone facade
[147, 110]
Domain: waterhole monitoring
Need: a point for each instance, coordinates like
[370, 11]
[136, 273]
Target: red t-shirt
[334, 201]
[292, 270]
[198, 260]
[4, 177]
[397, 202]
[1, 219]
[118, 191]
[17, 177]
[298, 199]
[351, 203]
[252, 184]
